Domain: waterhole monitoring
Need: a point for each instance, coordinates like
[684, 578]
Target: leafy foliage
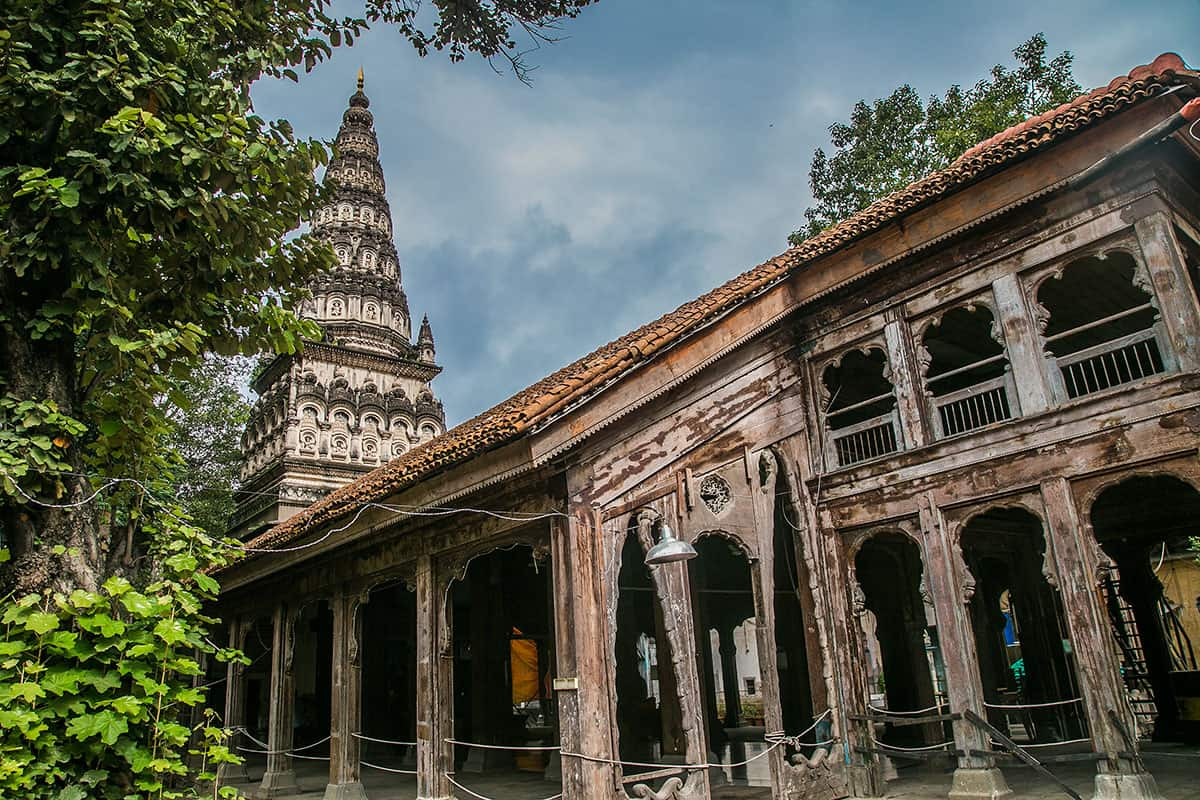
[485, 28]
[207, 416]
[144, 209]
[96, 688]
[143, 213]
[897, 140]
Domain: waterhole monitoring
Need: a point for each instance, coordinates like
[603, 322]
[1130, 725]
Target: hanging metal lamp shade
[669, 549]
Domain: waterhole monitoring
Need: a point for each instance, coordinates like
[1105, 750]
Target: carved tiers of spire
[361, 396]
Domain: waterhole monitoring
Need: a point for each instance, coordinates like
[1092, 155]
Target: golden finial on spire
[360, 79]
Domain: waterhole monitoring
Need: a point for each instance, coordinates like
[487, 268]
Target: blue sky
[663, 148]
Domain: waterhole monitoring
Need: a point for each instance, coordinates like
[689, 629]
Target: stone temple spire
[361, 303]
[360, 396]
[425, 348]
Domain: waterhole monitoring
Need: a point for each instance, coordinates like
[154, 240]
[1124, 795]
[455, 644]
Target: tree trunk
[45, 370]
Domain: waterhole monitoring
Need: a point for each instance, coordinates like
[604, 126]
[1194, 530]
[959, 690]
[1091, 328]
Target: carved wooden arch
[731, 538]
[291, 614]
[453, 568]
[1188, 473]
[957, 525]
[865, 347]
[921, 328]
[1122, 244]
[909, 528]
[1174, 470]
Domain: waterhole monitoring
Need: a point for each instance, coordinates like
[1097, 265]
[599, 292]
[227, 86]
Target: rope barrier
[383, 741]
[773, 740]
[369, 765]
[924, 749]
[602, 760]
[500, 746]
[292, 752]
[994, 743]
[877, 710]
[1035, 705]
[783, 735]
[473, 793]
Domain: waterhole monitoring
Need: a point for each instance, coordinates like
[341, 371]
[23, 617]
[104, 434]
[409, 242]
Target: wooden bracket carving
[960, 563]
[354, 629]
[288, 619]
[669, 790]
[768, 466]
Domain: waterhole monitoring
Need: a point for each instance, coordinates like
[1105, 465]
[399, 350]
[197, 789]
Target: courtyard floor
[1177, 771]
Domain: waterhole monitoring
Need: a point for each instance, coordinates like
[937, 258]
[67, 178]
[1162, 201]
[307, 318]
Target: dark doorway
[794, 629]
[1025, 658]
[388, 656]
[902, 639]
[649, 719]
[1139, 523]
[726, 631]
[503, 662]
[312, 668]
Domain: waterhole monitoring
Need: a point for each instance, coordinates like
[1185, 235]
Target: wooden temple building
[929, 458]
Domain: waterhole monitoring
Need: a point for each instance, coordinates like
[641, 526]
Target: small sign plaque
[565, 684]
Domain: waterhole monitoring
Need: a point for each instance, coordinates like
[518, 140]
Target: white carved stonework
[362, 395]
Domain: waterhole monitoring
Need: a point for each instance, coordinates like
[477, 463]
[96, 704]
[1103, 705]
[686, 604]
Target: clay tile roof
[576, 382]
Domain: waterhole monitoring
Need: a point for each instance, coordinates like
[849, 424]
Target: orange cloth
[526, 677]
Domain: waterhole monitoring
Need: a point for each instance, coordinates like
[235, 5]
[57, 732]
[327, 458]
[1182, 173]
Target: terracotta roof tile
[575, 382]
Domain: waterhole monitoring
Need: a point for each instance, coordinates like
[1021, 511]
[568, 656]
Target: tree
[144, 209]
[897, 140]
[206, 423]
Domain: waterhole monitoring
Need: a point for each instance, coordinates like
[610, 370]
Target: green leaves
[107, 725]
[96, 684]
[40, 622]
[896, 140]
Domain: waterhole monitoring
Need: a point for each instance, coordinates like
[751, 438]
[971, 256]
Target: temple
[894, 503]
[361, 395]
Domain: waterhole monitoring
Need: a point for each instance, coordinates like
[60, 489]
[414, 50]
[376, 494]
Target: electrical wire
[398, 510]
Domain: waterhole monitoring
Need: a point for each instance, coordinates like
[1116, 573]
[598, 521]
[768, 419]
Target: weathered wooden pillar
[1024, 346]
[977, 776]
[729, 676]
[346, 696]
[584, 705]
[1096, 659]
[864, 773]
[280, 778]
[435, 701]
[1174, 296]
[235, 704]
[902, 358]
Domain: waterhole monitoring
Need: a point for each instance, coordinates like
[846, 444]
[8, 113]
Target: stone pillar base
[228, 774]
[277, 784]
[979, 783]
[345, 791]
[1130, 786]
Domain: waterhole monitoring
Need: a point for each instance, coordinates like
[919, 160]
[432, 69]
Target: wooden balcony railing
[974, 406]
[1109, 364]
[865, 440]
